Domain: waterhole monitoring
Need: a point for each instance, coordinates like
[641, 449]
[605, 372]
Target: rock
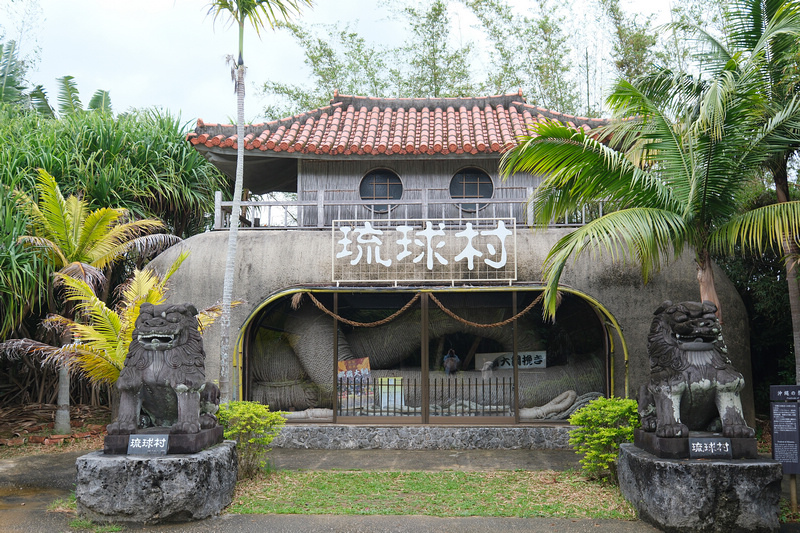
[701, 496]
[149, 490]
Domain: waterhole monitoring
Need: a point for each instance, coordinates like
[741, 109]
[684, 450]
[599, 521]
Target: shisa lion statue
[693, 386]
[163, 382]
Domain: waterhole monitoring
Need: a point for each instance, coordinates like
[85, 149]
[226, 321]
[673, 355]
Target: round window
[471, 182]
[380, 184]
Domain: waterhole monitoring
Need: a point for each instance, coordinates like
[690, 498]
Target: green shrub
[253, 426]
[602, 426]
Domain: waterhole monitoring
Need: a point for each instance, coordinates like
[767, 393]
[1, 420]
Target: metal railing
[448, 396]
[327, 206]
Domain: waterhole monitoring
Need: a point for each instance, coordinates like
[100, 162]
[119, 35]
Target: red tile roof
[393, 126]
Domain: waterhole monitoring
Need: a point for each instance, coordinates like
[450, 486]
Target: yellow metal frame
[610, 320]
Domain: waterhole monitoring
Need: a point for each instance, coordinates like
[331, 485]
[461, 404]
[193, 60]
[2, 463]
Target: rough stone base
[150, 490]
[422, 437]
[684, 495]
[178, 442]
[678, 447]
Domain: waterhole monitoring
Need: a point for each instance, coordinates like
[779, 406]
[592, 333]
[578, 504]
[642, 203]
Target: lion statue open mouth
[693, 385]
[163, 383]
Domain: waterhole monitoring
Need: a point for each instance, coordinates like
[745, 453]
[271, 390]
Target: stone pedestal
[150, 490]
[178, 442]
[701, 495]
[678, 447]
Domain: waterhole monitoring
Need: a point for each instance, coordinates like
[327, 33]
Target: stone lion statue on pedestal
[163, 383]
[693, 386]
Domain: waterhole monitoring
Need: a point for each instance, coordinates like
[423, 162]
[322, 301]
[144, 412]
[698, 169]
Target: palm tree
[257, 13]
[100, 342]
[673, 174]
[80, 244]
[770, 28]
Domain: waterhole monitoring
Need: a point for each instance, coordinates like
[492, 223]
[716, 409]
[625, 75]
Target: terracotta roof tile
[394, 126]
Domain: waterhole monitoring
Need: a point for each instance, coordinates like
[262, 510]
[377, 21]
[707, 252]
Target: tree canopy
[681, 149]
[562, 56]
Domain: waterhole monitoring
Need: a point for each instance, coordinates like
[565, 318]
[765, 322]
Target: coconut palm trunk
[794, 301]
[705, 277]
[226, 359]
[257, 12]
[62, 424]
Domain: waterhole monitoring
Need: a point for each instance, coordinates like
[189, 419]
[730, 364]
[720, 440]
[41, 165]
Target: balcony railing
[323, 207]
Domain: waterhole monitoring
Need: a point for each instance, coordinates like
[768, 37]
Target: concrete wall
[270, 261]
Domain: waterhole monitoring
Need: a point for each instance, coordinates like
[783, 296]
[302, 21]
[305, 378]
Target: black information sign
[784, 393]
[786, 427]
[710, 448]
[148, 444]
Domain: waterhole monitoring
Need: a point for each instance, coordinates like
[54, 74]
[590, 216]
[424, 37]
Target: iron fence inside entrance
[448, 396]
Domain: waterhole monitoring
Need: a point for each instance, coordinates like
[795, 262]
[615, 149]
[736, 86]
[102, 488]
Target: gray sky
[171, 54]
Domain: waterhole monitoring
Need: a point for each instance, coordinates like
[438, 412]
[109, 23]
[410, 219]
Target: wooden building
[379, 241]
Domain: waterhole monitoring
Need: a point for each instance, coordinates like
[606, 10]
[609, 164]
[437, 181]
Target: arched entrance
[427, 355]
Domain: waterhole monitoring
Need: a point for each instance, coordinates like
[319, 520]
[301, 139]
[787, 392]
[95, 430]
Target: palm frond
[707, 49]
[770, 227]
[86, 273]
[69, 101]
[16, 348]
[12, 72]
[99, 366]
[779, 131]
[257, 13]
[661, 137]
[92, 309]
[40, 102]
[122, 238]
[175, 265]
[94, 239]
[53, 216]
[147, 244]
[101, 101]
[46, 247]
[580, 170]
[643, 235]
[139, 285]
[758, 25]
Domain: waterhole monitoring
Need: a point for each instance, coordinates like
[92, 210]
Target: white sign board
[424, 250]
[525, 360]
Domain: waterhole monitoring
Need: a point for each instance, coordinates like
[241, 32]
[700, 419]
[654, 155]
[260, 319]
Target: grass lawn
[445, 494]
[449, 493]
[357, 492]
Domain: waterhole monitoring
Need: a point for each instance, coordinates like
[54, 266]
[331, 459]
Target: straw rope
[475, 324]
[441, 306]
[363, 324]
